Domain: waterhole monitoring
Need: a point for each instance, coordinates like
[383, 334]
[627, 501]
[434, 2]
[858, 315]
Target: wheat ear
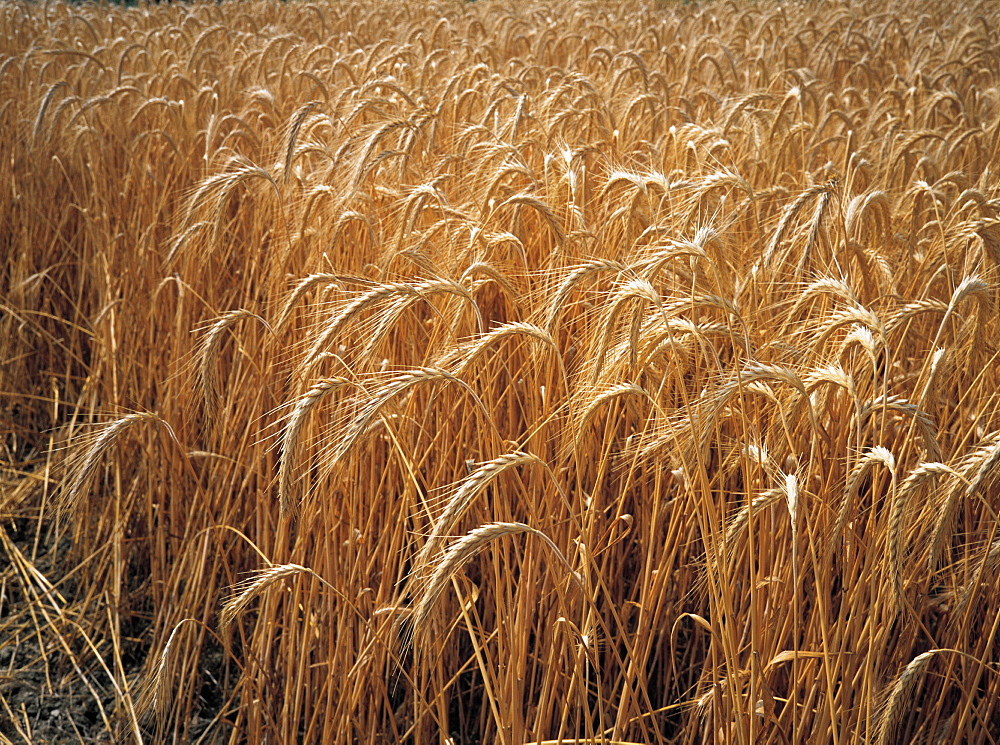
[253, 587]
[397, 386]
[902, 691]
[975, 470]
[303, 286]
[414, 290]
[638, 289]
[464, 496]
[602, 397]
[462, 358]
[871, 458]
[463, 549]
[208, 352]
[987, 568]
[85, 468]
[293, 428]
[571, 281]
[155, 696]
[297, 120]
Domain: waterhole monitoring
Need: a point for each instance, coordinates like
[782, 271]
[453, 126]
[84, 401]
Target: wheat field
[503, 372]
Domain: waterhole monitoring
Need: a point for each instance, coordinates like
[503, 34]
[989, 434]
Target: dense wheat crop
[505, 372]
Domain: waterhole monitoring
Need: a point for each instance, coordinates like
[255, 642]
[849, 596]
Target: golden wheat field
[519, 371]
